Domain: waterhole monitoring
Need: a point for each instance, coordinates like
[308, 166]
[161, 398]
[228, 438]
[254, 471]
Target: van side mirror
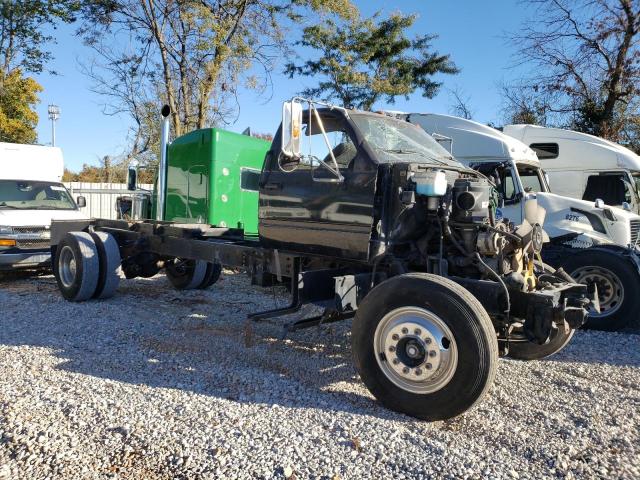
[291, 129]
[81, 202]
[132, 177]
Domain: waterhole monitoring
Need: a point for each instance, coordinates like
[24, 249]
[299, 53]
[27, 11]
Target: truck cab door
[307, 207]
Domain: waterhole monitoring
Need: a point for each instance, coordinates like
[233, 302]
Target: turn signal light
[7, 242]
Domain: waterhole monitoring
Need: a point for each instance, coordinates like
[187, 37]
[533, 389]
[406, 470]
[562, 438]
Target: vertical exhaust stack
[162, 168]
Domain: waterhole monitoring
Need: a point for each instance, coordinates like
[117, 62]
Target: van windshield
[395, 141]
[26, 195]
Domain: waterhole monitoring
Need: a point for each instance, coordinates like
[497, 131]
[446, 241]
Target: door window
[531, 181]
[316, 149]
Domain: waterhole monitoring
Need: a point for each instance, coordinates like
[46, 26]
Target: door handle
[273, 186]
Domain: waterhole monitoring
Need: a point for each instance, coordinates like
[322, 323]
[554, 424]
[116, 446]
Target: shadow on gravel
[194, 341]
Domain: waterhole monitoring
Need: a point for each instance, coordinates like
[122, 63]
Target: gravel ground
[159, 384]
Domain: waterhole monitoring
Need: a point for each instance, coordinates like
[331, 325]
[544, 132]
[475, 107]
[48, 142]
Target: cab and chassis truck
[385, 228]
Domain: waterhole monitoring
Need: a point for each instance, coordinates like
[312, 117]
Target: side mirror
[626, 206]
[132, 177]
[81, 202]
[291, 129]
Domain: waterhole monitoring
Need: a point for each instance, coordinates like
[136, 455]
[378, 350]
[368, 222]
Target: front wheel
[526, 350]
[617, 280]
[186, 274]
[424, 346]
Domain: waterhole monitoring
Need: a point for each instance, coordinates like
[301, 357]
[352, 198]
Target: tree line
[581, 59]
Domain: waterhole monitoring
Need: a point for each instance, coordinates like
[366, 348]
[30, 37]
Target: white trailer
[583, 166]
[594, 243]
[31, 196]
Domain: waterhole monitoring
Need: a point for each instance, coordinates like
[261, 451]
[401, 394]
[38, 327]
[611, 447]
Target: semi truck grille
[29, 237]
[635, 231]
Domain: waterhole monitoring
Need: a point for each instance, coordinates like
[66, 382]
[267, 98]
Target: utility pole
[54, 115]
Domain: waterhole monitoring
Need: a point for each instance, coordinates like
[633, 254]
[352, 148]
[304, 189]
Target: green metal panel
[212, 179]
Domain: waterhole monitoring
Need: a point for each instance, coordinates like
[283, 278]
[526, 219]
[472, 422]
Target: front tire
[424, 346]
[532, 351]
[617, 280]
[186, 274]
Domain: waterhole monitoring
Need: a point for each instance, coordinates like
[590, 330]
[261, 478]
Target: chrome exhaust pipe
[162, 168]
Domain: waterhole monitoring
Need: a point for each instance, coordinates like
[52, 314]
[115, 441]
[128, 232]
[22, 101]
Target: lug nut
[395, 337]
[418, 372]
[392, 348]
[405, 330]
[405, 370]
[396, 361]
[428, 366]
[427, 340]
[417, 331]
[433, 353]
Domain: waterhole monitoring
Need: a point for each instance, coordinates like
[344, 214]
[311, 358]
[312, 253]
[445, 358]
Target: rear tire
[211, 276]
[77, 266]
[186, 274]
[394, 333]
[109, 256]
[617, 281]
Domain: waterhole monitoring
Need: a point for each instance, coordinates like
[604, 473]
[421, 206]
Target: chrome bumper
[36, 259]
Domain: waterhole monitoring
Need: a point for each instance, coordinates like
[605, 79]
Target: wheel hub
[610, 289]
[67, 267]
[416, 349]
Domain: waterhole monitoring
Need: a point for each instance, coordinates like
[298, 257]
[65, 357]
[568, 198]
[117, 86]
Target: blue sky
[471, 31]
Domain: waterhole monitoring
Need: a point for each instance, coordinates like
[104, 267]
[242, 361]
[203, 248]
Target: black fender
[554, 254]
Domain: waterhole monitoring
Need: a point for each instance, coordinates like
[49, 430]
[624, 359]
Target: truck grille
[36, 237]
[635, 231]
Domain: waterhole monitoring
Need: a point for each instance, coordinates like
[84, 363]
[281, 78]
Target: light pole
[54, 114]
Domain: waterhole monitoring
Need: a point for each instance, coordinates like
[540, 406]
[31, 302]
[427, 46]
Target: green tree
[584, 59]
[363, 61]
[18, 97]
[23, 23]
[193, 55]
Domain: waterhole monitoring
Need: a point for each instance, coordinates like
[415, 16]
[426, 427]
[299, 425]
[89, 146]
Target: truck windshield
[26, 195]
[636, 181]
[395, 140]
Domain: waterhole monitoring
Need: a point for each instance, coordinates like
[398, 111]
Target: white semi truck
[583, 166]
[31, 195]
[593, 242]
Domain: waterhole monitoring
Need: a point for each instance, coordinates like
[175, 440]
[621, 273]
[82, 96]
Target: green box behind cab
[212, 178]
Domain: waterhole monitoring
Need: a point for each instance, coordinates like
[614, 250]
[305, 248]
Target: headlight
[6, 229]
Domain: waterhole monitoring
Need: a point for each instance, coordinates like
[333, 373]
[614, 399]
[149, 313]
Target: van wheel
[211, 276]
[186, 274]
[617, 281]
[109, 257]
[532, 351]
[77, 266]
[424, 346]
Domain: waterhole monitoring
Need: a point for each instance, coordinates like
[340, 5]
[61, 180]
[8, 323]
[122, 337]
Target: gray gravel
[159, 384]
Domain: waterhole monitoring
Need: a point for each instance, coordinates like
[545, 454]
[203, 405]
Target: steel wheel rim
[415, 350]
[610, 289]
[67, 267]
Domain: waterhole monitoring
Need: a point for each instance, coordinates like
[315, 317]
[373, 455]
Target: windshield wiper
[5, 205]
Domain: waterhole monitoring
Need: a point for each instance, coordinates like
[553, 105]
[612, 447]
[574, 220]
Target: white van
[583, 166]
[31, 195]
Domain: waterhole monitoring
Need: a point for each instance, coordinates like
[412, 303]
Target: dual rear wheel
[87, 265]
